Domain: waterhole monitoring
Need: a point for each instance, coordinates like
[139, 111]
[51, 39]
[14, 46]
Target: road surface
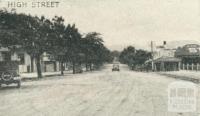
[99, 93]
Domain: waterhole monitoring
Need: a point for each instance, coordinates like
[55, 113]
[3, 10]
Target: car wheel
[18, 84]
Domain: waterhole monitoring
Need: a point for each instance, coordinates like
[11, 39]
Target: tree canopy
[37, 35]
[134, 57]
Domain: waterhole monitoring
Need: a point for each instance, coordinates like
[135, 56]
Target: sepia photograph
[99, 57]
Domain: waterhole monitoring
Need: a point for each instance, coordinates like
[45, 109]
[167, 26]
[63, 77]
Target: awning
[148, 61]
[167, 59]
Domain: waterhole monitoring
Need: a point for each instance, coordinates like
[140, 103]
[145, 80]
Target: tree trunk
[74, 70]
[32, 64]
[86, 66]
[62, 68]
[90, 66]
[38, 64]
[86, 63]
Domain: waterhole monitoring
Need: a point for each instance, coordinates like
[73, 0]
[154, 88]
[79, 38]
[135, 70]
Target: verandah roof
[167, 59]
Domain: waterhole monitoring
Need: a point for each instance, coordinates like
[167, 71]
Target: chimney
[164, 43]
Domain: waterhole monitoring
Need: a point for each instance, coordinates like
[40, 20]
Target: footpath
[193, 76]
[33, 76]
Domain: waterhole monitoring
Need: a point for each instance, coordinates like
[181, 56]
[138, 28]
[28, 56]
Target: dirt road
[100, 93]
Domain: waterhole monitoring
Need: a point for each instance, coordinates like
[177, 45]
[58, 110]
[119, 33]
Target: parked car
[115, 67]
[9, 73]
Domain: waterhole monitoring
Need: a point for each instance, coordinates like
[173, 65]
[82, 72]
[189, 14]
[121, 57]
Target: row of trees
[36, 35]
[134, 57]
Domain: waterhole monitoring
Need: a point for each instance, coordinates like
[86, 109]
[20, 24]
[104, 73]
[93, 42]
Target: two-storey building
[164, 58]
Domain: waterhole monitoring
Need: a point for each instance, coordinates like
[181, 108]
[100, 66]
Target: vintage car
[115, 67]
[9, 73]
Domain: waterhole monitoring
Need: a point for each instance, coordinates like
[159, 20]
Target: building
[190, 56]
[167, 64]
[163, 51]
[27, 64]
[163, 58]
[49, 63]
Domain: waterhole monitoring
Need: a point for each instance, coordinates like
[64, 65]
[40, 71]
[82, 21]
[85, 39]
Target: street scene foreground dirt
[99, 93]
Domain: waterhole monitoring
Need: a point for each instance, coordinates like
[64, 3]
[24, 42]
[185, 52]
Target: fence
[190, 67]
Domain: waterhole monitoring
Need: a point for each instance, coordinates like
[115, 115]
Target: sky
[127, 22]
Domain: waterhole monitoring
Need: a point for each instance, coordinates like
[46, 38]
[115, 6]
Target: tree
[36, 35]
[89, 43]
[127, 55]
[95, 51]
[134, 57]
[58, 41]
[74, 45]
[115, 55]
[27, 32]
